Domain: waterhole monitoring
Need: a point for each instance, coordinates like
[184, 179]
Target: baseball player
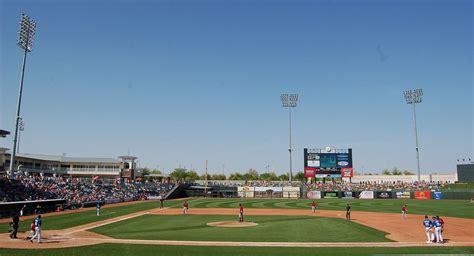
[32, 230]
[404, 211]
[313, 207]
[428, 224]
[22, 210]
[38, 223]
[185, 207]
[97, 209]
[241, 213]
[442, 223]
[437, 228]
[161, 201]
[348, 212]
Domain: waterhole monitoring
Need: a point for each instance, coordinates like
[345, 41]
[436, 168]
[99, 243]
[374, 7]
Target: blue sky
[179, 82]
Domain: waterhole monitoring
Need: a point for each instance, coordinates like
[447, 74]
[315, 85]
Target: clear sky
[179, 82]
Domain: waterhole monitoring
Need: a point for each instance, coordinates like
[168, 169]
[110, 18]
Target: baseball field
[271, 227]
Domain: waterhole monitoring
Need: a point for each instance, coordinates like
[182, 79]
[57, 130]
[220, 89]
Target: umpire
[348, 212]
[15, 222]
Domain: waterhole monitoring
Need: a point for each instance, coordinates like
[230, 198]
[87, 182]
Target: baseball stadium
[236, 127]
[277, 219]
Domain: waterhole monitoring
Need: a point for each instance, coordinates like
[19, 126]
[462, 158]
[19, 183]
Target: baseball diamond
[144, 224]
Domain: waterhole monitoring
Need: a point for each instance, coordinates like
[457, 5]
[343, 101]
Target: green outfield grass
[269, 229]
[72, 218]
[452, 208]
[140, 250]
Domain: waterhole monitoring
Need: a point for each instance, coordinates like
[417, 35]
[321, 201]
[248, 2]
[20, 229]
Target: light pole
[25, 41]
[289, 101]
[21, 128]
[413, 97]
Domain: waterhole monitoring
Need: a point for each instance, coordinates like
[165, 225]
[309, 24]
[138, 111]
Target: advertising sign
[309, 172]
[366, 195]
[343, 160]
[328, 176]
[328, 171]
[422, 195]
[330, 194]
[314, 163]
[347, 172]
[437, 195]
[313, 194]
[402, 194]
[348, 195]
[383, 194]
[264, 189]
[245, 191]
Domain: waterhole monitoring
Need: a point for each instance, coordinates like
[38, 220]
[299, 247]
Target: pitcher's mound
[232, 224]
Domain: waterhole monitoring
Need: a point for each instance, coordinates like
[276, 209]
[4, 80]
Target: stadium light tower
[21, 127]
[413, 97]
[25, 42]
[289, 101]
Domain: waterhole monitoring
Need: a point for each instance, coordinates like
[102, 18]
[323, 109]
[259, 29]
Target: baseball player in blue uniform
[38, 223]
[437, 227]
[428, 224]
[97, 209]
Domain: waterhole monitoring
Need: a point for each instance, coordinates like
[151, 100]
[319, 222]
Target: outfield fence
[398, 194]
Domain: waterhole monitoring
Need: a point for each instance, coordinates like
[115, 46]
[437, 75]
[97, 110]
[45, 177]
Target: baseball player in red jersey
[241, 213]
[404, 211]
[313, 207]
[185, 207]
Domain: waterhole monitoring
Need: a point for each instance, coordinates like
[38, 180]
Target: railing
[71, 170]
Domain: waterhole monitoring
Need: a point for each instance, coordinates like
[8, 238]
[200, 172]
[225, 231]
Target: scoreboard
[328, 163]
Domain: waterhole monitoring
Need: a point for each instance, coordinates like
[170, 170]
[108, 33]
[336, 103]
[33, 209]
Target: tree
[155, 172]
[386, 172]
[251, 174]
[407, 172]
[205, 177]
[395, 171]
[191, 175]
[179, 174]
[236, 176]
[218, 177]
[268, 176]
[299, 176]
[146, 171]
[284, 177]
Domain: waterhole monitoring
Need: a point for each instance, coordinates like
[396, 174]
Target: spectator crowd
[75, 190]
[375, 186]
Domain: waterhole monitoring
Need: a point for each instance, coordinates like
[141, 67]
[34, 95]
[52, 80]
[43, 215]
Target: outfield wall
[370, 194]
[268, 192]
[380, 179]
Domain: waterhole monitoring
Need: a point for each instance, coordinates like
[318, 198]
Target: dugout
[9, 209]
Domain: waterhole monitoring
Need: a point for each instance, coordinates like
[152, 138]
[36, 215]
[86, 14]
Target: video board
[328, 163]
